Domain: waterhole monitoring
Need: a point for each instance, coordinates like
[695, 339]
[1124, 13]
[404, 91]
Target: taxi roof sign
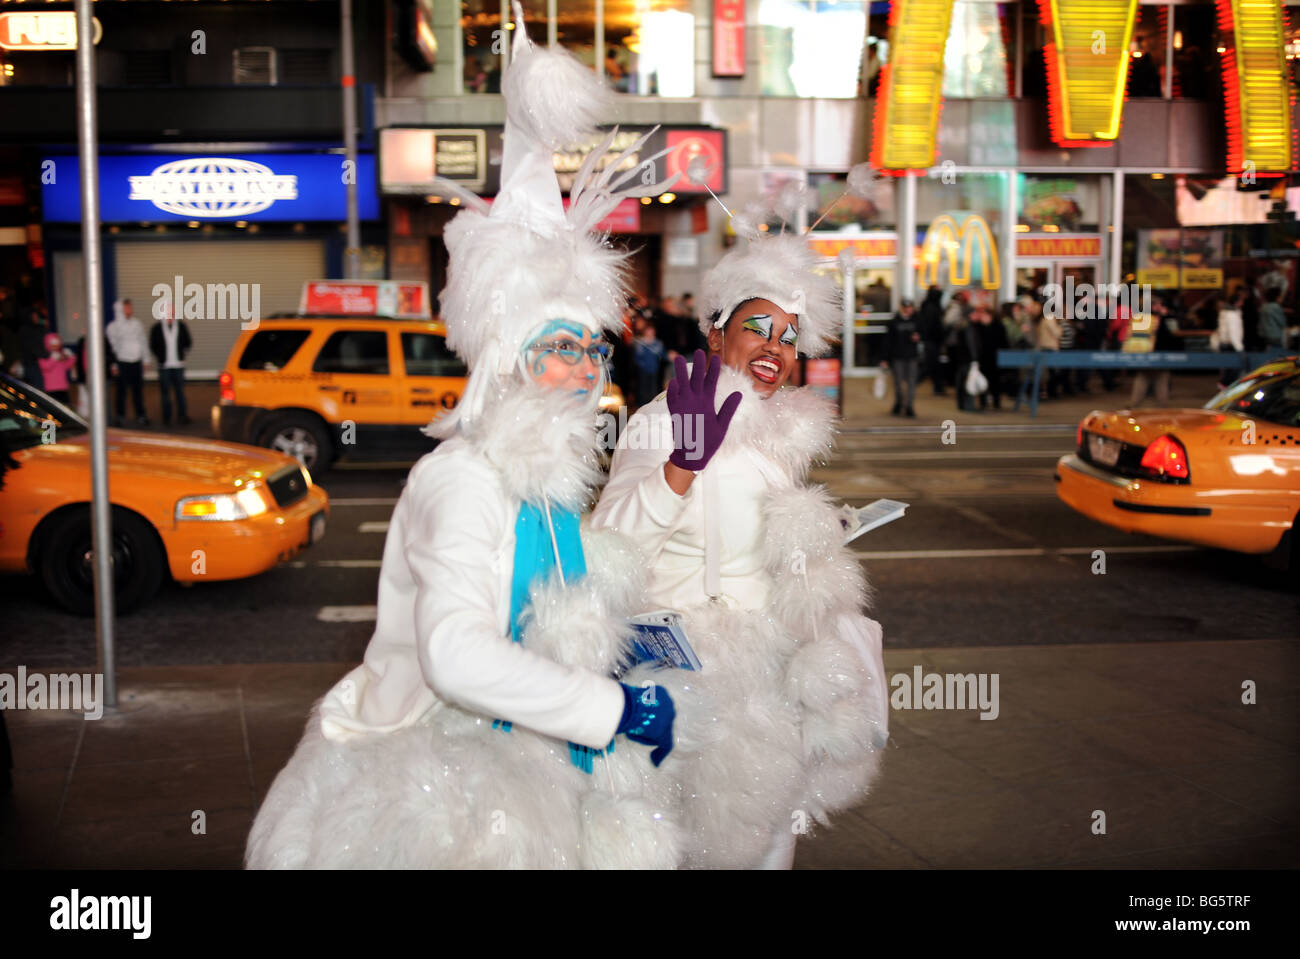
[398, 299]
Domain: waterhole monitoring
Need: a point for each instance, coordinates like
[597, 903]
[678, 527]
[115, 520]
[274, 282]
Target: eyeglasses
[572, 352]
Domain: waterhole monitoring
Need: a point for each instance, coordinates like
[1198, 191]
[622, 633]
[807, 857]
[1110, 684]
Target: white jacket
[127, 338]
[790, 711]
[443, 624]
[1230, 329]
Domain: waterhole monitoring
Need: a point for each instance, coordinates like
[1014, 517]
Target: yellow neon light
[1259, 102]
[945, 235]
[907, 111]
[1087, 67]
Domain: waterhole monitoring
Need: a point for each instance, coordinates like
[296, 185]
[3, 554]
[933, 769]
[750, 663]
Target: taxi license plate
[1102, 450]
[317, 528]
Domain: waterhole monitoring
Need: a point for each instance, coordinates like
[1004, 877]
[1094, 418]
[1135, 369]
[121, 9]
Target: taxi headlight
[244, 504]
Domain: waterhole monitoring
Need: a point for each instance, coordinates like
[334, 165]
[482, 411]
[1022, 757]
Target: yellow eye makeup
[759, 323]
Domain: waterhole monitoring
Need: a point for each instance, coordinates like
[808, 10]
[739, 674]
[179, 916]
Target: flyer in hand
[865, 518]
[661, 638]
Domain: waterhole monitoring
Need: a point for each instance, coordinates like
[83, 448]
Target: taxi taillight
[227, 384]
[1166, 458]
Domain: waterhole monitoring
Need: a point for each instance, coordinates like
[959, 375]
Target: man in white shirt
[127, 340]
[169, 341]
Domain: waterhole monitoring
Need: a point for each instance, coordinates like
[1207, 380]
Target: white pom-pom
[698, 170]
[744, 225]
[860, 179]
[792, 198]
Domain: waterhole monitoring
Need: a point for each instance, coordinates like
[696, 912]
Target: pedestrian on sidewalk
[990, 336]
[31, 338]
[57, 366]
[648, 358]
[126, 338]
[1272, 321]
[169, 341]
[1229, 335]
[930, 323]
[1165, 341]
[902, 357]
[1048, 332]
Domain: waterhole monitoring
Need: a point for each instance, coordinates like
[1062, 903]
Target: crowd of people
[955, 344]
[32, 352]
[656, 330]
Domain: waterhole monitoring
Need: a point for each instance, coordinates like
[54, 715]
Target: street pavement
[1121, 737]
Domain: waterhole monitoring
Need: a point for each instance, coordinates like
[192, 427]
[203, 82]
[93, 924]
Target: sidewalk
[862, 411]
[1154, 736]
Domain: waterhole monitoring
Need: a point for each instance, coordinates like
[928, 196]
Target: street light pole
[101, 509]
[352, 256]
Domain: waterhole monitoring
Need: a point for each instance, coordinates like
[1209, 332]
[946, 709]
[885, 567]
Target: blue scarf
[535, 560]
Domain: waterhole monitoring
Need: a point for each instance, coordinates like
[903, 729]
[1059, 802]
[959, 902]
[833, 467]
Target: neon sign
[958, 241]
[1087, 68]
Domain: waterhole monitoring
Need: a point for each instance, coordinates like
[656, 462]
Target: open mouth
[765, 370]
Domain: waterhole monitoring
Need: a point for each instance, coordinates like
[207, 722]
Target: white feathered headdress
[526, 259]
[780, 269]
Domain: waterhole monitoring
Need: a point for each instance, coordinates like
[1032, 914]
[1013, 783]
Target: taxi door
[353, 377]
[434, 377]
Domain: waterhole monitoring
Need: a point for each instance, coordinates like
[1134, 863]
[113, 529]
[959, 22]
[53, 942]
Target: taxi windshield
[29, 418]
[1273, 396]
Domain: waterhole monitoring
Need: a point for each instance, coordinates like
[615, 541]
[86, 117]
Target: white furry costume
[787, 718]
[400, 765]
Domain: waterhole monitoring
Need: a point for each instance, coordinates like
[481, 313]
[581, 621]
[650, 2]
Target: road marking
[374, 526]
[950, 454]
[362, 501]
[1004, 553]
[337, 564]
[347, 614]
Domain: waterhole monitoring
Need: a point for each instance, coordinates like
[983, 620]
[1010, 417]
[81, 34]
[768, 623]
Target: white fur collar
[794, 426]
[542, 442]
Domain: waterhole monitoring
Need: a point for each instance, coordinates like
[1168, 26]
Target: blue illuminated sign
[213, 187]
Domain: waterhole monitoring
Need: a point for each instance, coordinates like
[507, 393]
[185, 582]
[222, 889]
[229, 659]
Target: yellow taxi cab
[320, 387]
[193, 509]
[1225, 476]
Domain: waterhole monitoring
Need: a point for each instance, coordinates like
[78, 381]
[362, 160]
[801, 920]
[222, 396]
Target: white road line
[1004, 553]
[374, 526]
[948, 454]
[362, 501]
[347, 614]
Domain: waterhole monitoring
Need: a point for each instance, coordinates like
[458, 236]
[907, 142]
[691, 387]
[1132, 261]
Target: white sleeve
[1236, 325]
[637, 501]
[454, 549]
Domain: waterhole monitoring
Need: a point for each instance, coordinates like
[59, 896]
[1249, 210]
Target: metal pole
[352, 255]
[101, 509]
[906, 275]
[1117, 228]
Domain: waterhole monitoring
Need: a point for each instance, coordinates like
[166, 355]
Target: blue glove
[648, 715]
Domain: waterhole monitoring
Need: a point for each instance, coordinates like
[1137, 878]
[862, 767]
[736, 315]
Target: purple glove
[698, 428]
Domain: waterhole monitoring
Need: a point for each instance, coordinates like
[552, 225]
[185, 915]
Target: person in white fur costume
[470, 734]
[797, 712]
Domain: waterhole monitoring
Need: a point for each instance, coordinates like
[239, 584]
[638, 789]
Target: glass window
[975, 62]
[852, 213]
[483, 41]
[1059, 204]
[872, 290]
[26, 416]
[575, 28]
[426, 354]
[1273, 396]
[959, 229]
[354, 351]
[877, 52]
[811, 48]
[1146, 66]
[1196, 58]
[650, 47]
[271, 349]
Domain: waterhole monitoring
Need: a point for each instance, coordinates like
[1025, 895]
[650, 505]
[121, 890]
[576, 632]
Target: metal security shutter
[275, 269]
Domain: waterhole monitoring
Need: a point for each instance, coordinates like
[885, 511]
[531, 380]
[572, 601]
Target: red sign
[1089, 246]
[728, 38]
[862, 246]
[624, 218]
[392, 298]
[824, 377]
[684, 146]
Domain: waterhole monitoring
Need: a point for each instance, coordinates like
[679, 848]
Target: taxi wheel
[67, 561]
[301, 437]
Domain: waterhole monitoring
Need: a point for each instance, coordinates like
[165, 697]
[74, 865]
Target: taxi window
[272, 349]
[354, 351]
[426, 354]
[1275, 399]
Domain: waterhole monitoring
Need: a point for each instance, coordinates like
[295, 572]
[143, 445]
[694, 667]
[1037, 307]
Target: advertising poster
[1159, 257]
[1202, 260]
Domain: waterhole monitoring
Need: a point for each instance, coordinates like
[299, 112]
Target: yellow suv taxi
[320, 387]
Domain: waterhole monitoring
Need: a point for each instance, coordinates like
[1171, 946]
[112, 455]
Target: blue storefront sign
[212, 187]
